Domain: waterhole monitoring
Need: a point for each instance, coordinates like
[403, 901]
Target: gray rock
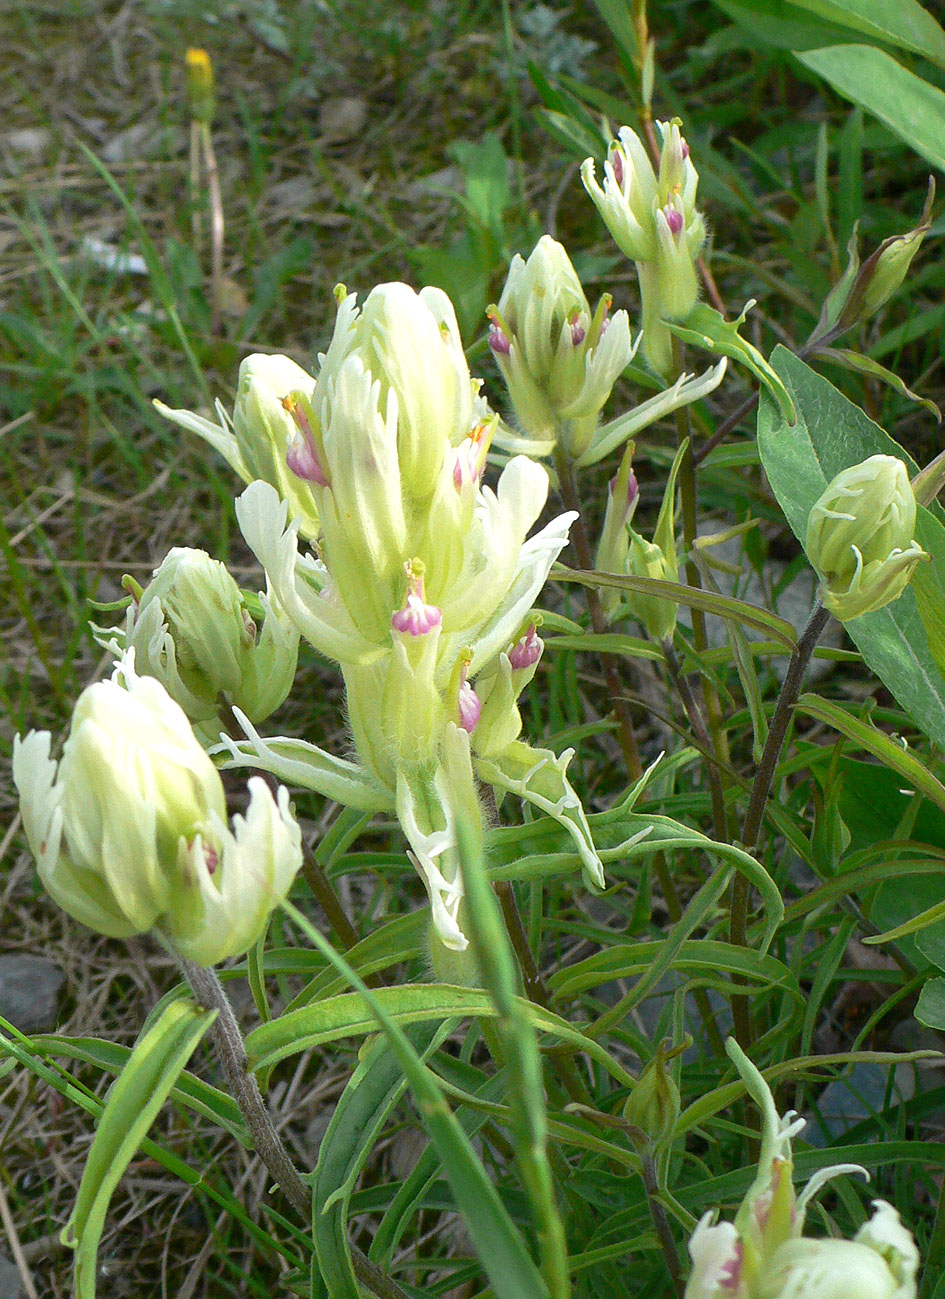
[29, 994]
[11, 1286]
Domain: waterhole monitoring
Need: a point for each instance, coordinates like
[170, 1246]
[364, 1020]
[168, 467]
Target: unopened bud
[860, 537]
[201, 95]
[653, 1105]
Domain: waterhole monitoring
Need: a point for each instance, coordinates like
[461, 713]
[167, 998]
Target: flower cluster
[129, 831]
[423, 582]
[764, 1254]
[560, 362]
[652, 216]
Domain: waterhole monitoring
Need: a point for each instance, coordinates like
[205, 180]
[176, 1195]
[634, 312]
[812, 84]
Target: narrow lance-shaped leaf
[500, 1247]
[139, 1092]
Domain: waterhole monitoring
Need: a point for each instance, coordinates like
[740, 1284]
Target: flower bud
[558, 360]
[653, 1105]
[623, 494]
[261, 440]
[652, 218]
[200, 88]
[410, 345]
[267, 434]
[191, 629]
[130, 833]
[884, 270]
[860, 537]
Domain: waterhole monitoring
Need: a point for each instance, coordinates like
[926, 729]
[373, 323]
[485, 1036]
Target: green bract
[130, 833]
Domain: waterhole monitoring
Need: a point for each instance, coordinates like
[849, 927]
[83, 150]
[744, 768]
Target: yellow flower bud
[860, 537]
[200, 86]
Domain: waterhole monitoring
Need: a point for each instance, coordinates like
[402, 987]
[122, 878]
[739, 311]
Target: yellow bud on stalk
[860, 537]
[201, 93]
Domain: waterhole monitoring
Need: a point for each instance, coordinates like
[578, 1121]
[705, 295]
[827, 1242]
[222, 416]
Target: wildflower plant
[443, 544]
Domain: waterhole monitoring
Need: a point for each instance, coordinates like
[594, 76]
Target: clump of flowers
[422, 585]
[764, 1254]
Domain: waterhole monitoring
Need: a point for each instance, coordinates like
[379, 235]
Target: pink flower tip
[616, 161]
[416, 618]
[526, 652]
[674, 219]
[470, 707]
[578, 333]
[302, 459]
[499, 340]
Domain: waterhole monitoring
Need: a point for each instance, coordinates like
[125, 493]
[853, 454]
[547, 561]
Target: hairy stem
[211, 995]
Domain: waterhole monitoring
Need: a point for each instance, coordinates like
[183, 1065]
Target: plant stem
[713, 708]
[609, 664]
[696, 720]
[790, 689]
[664, 1231]
[327, 899]
[211, 995]
[761, 788]
[535, 988]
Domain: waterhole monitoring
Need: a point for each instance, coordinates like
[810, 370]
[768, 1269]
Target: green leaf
[142, 1088]
[862, 364]
[912, 108]
[831, 434]
[723, 606]
[897, 22]
[781, 25]
[890, 754]
[519, 1051]
[189, 1090]
[372, 1092]
[705, 327]
[352, 1015]
[499, 1244]
[930, 1008]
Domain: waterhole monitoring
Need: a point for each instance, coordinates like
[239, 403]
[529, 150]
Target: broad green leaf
[781, 25]
[831, 434]
[897, 22]
[884, 748]
[511, 1271]
[705, 327]
[930, 1008]
[136, 1096]
[912, 108]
